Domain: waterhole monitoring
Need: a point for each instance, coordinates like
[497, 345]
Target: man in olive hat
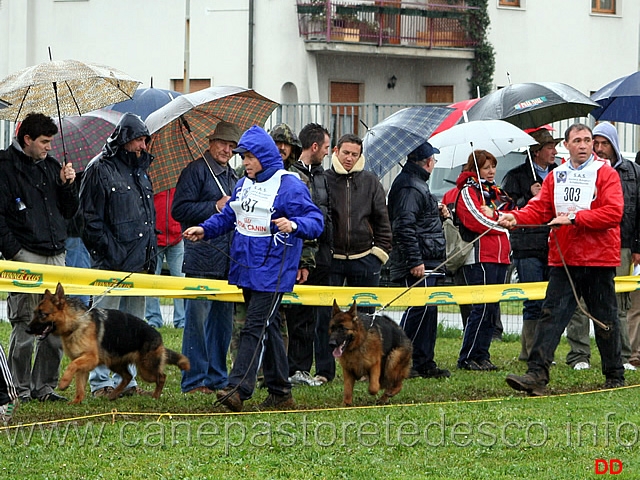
[529, 246]
[203, 189]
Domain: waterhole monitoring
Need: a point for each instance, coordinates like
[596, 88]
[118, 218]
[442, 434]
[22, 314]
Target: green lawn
[470, 426]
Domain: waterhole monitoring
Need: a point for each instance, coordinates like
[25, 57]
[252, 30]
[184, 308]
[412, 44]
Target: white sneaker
[628, 366]
[581, 366]
[304, 378]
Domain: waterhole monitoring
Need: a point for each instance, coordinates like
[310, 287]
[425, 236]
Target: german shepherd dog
[372, 346]
[103, 337]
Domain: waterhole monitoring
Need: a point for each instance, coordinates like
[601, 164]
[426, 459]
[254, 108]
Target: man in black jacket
[36, 196]
[418, 247]
[309, 326]
[117, 200]
[529, 246]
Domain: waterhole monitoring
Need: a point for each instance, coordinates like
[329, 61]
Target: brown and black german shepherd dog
[372, 346]
[103, 337]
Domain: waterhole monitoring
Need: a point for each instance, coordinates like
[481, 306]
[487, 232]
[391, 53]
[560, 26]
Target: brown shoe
[277, 401]
[230, 400]
[205, 390]
[102, 392]
[131, 391]
[527, 383]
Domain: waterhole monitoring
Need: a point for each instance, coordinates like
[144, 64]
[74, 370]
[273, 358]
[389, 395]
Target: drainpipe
[250, 53]
[187, 28]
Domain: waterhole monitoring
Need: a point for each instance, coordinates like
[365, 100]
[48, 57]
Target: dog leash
[597, 322]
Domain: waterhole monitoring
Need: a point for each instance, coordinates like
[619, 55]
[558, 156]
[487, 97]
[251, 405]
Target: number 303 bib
[575, 189]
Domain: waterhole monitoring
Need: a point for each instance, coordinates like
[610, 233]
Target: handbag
[457, 249]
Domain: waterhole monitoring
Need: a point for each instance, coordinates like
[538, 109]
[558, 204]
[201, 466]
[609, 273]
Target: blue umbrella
[399, 134]
[619, 100]
[145, 101]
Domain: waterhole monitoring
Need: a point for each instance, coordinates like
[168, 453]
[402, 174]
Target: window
[509, 3]
[603, 6]
[195, 84]
[439, 94]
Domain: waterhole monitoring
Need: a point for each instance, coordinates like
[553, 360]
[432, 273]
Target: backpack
[457, 249]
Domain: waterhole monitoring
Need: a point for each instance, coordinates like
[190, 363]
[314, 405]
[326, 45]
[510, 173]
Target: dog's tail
[175, 358]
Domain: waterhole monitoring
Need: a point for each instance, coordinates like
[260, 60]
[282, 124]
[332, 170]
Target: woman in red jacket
[477, 209]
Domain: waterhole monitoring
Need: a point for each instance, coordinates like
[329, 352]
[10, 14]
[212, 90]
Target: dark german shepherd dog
[103, 337]
[372, 346]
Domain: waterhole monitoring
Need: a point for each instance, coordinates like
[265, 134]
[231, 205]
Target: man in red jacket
[582, 201]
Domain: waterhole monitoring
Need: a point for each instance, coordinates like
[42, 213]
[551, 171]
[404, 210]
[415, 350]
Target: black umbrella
[619, 101]
[529, 105]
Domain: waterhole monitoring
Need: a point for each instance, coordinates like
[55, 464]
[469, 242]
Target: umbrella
[528, 105]
[179, 130]
[619, 101]
[495, 136]
[145, 101]
[85, 136]
[453, 118]
[397, 135]
[62, 88]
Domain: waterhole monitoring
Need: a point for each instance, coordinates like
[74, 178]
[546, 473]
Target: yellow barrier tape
[35, 278]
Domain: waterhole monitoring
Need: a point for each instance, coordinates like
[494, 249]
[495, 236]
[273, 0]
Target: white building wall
[562, 41]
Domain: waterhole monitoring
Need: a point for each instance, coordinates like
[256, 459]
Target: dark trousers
[261, 344]
[363, 272]
[482, 319]
[595, 285]
[421, 326]
[309, 326]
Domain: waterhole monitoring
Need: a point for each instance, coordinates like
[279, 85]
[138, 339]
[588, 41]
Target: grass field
[470, 426]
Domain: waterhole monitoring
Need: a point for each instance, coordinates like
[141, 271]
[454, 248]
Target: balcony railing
[386, 22]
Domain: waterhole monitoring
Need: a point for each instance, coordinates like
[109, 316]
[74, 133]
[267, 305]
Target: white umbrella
[495, 136]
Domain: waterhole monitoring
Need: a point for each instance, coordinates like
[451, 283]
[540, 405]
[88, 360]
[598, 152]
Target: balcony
[385, 23]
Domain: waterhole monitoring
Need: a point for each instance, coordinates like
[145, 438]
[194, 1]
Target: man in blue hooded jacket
[271, 212]
[116, 198]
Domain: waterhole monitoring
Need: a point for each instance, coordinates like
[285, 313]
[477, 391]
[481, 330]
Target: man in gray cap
[529, 246]
[204, 187]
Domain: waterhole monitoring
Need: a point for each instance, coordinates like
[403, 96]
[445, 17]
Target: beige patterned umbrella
[63, 88]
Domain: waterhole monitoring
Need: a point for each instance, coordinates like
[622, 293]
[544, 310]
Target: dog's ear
[353, 311]
[336, 308]
[59, 293]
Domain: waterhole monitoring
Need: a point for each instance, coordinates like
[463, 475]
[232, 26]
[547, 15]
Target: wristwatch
[572, 217]
[294, 226]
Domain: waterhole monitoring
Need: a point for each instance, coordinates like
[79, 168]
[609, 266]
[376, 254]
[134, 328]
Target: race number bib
[254, 205]
[575, 189]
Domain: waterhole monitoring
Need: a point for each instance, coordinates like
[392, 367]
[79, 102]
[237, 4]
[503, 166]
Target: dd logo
[612, 467]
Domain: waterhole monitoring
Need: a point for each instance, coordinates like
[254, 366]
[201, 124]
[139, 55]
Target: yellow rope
[114, 413]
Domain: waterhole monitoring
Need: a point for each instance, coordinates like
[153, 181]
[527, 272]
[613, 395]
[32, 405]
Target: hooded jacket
[359, 212]
[40, 227]
[594, 238]
[418, 237]
[267, 263]
[117, 200]
[629, 173]
[283, 133]
[494, 247]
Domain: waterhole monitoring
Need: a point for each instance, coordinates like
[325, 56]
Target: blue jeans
[531, 270]
[479, 330]
[261, 344]
[100, 376]
[77, 256]
[205, 342]
[595, 285]
[421, 326]
[174, 254]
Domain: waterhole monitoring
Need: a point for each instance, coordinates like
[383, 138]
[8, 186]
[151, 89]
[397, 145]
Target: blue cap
[422, 152]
